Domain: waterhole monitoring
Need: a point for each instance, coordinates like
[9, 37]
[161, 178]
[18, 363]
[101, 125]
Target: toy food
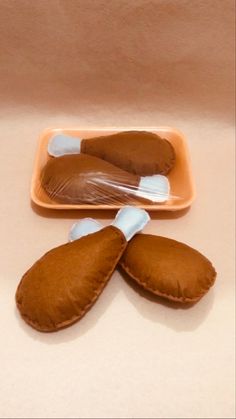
[80, 178]
[168, 268]
[61, 286]
[140, 152]
[163, 266]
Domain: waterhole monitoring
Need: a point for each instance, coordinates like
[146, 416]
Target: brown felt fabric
[168, 268]
[77, 179]
[139, 152]
[61, 286]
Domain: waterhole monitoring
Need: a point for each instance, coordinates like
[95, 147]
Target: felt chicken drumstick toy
[140, 152]
[162, 266]
[61, 286]
[80, 178]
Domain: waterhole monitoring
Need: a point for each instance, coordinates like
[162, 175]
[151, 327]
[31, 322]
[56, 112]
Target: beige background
[98, 64]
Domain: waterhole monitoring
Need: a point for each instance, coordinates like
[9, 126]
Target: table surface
[101, 64]
[128, 357]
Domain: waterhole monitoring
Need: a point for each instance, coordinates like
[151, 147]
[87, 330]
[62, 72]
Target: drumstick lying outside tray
[162, 266]
[61, 286]
[140, 152]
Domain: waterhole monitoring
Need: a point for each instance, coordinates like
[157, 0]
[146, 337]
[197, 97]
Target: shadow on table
[177, 316]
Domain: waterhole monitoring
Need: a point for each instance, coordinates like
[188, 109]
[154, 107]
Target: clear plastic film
[66, 181]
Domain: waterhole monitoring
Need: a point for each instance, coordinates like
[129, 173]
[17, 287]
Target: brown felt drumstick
[61, 286]
[140, 152]
[164, 267]
[80, 178]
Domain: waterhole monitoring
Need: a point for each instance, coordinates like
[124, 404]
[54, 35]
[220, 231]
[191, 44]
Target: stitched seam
[160, 293]
[93, 299]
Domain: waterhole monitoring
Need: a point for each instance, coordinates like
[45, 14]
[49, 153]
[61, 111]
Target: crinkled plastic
[83, 179]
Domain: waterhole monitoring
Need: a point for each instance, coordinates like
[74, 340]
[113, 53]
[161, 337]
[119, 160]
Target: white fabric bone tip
[61, 144]
[131, 220]
[155, 188]
[83, 228]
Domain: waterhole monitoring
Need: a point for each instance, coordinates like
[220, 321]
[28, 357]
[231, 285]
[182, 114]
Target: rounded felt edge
[172, 159]
[164, 171]
[75, 319]
[83, 145]
[164, 295]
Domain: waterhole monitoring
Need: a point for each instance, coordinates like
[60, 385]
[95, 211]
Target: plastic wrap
[108, 187]
[80, 179]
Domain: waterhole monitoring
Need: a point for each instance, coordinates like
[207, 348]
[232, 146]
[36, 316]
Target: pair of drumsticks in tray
[123, 168]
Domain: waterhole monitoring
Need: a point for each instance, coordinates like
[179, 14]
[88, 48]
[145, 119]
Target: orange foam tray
[180, 177]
